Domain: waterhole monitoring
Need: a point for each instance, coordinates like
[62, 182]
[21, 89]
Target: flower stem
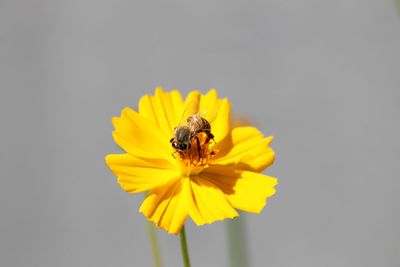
[237, 242]
[154, 244]
[185, 254]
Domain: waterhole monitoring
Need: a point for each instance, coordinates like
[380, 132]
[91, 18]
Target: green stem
[185, 254]
[237, 242]
[154, 244]
[397, 2]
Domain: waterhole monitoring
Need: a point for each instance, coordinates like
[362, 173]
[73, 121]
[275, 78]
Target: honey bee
[188, 132]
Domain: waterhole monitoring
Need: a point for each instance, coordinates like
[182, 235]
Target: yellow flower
[208, 188]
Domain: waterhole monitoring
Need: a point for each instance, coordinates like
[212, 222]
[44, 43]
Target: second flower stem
[185, 253]
[154, 244]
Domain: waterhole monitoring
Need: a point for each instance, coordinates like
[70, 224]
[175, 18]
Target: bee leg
[198, 148]
[210, 136]
[173, 154]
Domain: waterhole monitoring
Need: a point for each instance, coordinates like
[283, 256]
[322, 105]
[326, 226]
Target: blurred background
[323, 77]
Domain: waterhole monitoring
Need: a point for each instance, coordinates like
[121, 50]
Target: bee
[188, 133]
[185, 134]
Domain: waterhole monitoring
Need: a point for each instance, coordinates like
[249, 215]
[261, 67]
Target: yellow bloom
[179, 187]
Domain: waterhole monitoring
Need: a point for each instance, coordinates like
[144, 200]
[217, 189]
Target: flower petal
[138, 174]
[245, 190]
[164, 109]
[209, 202]
[246, 146]
[220, 124]
[166, 206]
[140, 137]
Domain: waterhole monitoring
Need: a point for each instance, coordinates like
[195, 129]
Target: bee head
[180, 146]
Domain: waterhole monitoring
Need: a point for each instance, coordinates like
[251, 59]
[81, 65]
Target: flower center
[195, 159]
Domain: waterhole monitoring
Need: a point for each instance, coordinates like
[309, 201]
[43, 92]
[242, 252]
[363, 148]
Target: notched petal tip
[159, 90]
[245, 190]
[109, 159]
[166, 206]
[209, 202]
[245, 146]
[201, 222]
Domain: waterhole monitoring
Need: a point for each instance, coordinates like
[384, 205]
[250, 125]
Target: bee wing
[208, 112]
[195, 104]
[191, 108]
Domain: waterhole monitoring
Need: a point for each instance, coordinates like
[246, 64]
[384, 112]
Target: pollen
[200, 152]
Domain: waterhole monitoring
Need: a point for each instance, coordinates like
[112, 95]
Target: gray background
[323, 77]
